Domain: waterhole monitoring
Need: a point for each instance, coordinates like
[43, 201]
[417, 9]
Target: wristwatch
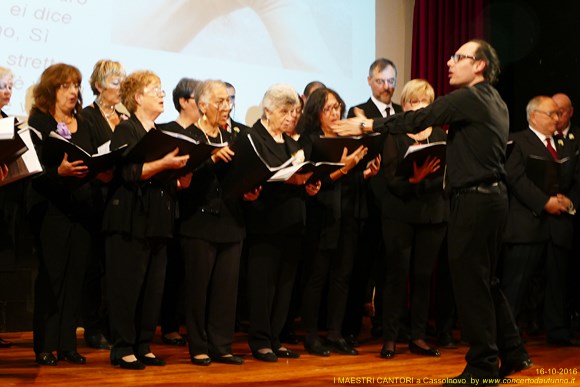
[362, 126]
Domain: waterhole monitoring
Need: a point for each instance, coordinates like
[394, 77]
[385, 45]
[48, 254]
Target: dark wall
[538, 43]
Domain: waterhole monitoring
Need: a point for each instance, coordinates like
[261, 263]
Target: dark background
[538, 43]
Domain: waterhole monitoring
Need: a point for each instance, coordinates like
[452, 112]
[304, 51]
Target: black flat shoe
[287, 353]
[201, 362]
[316, 348]
[46, 358]
[4, 343]
[414, 348]
[387, 353]
[97, 341]
[341, 346]
[269, 357]
[509, 368]
[235, 360]
[177, 342]
[152, 361]
[72, 357]
[128, 365]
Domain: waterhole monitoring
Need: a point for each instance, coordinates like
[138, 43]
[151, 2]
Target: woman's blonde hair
[102, 70]
[416, 88]
[134, 84]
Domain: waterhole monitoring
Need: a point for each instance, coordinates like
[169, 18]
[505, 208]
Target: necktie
[388, 111]
[551, 148]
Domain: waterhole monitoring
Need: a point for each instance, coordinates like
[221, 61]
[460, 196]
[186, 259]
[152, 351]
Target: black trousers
[476, 224]
[410, 248]
[64, 248]
[173, 290]
[521, 262]
[211, 286]
[94, 309]
[135, 272]
[333, 266]
[272, 262]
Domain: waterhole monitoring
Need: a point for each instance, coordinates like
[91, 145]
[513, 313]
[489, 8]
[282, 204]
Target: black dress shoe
[510, 367]
[235, 360]
[46, 358]
[287, 353]
[414, 348]
[128, 365]
[201, 362]
[468, 379]
[341, 346]
[4, 343]
[387, 353]
[152, 361]
[352, 340]
[71, 357]
[316, 348]
[177, 342]
[97, 341]
[269, 357]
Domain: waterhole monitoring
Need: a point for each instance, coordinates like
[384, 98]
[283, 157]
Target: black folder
[418, 154]
[10, 150]
[27, 164]
[157, 143]
[247, 170]
[55, 147]
[551, 176]
[318, 169]
[331, 148]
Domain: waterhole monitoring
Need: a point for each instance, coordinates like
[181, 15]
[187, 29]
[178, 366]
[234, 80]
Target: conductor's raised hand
[76, 169]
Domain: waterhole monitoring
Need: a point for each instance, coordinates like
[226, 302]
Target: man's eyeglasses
[336, 107]
[554, 115]
[392, 82]
[457, 57]
[69, 85]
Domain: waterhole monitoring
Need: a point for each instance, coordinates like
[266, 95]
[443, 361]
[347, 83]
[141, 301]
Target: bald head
[565, 108]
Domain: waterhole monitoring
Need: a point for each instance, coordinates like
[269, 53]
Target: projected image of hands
[312, 36]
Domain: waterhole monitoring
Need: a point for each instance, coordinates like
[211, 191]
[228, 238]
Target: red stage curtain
[439, 28]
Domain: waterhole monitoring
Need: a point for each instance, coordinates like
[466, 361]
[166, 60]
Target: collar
[382, 106]
[542, 136]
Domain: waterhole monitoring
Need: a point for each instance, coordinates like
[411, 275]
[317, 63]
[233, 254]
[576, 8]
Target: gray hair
[277, 96]
[534, 103]
[204, 90]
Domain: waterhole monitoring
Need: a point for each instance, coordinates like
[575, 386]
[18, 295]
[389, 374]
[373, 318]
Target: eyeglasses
[381, 82]
[554, 115]
[224, 104]
[114, 83]
[69, 85]
[6, 86]
[457, 57]
[415, 102]
[336, 107]
[157, 91]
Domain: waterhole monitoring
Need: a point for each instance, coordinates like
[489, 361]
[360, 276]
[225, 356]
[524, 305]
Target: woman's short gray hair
[277, 96]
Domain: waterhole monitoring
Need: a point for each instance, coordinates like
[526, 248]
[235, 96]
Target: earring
[204, 117]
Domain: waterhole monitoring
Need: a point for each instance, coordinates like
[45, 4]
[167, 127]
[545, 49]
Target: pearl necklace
[102, 108]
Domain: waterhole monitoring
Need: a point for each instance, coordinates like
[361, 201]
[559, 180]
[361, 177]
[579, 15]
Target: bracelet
[343, 172]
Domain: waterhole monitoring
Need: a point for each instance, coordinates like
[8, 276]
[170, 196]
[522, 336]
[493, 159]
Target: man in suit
[564, 126]
[382, 80]
[539, 226]
[476, 148]
[572, 133]
[233, 127]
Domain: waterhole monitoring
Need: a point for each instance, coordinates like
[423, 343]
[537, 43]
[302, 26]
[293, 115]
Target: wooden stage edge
[553, 366]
